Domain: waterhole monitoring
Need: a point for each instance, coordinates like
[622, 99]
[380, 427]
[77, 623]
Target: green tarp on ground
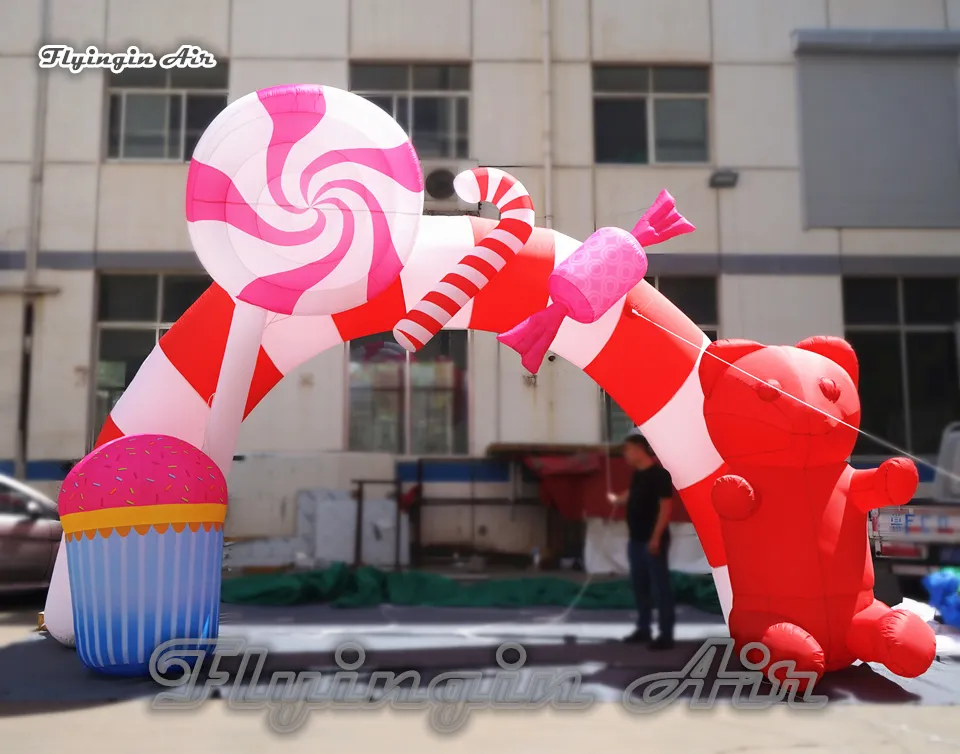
[343, 586]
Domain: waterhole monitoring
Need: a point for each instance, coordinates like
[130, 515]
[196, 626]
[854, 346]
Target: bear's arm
[893, 483]
[734, 498]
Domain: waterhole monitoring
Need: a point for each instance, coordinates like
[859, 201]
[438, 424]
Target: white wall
[11, 314]
[62, 373]
[88, 205]
[777, 309]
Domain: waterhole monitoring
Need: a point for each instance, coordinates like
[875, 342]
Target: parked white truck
[923, 536]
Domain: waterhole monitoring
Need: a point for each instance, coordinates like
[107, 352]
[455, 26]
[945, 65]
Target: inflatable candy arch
[306, 201]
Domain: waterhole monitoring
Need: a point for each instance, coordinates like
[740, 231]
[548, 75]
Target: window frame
[167, 91]
[901, 329]
[158, 325]
[607, 406]
[649, 96]
[406, 404]
[410, 92]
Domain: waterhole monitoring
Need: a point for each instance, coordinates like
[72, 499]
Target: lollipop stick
[233, 385]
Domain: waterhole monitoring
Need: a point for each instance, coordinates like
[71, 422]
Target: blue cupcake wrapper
[133, 593]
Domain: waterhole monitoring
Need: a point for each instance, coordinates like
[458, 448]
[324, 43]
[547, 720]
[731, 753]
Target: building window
[133, 311]
[904, 331]
[160, 115]
[409, 404]
[697, 298]
[650, 114]
[430, 102]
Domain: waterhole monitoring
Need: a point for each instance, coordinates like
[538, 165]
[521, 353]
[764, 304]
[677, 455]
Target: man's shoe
[661, 643]
[637, 637]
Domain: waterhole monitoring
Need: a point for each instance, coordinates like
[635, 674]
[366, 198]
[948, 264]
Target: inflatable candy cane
[594, 278]
[481, 265]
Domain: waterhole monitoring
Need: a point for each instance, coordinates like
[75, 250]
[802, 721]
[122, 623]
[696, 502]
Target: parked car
[30, 535]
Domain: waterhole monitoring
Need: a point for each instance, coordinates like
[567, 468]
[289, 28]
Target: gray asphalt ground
[49, 702]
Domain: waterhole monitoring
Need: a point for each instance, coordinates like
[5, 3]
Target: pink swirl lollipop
[304, 199]
[300, 200]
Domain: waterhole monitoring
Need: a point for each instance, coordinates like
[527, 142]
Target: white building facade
[643, 95]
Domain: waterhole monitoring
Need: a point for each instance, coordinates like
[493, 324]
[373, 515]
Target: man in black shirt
[648, 502]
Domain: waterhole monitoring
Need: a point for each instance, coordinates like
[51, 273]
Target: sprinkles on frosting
[130, 464]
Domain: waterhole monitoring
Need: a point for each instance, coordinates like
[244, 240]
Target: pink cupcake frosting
[142, 470]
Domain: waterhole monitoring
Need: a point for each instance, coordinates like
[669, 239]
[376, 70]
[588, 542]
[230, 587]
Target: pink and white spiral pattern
[304, 199]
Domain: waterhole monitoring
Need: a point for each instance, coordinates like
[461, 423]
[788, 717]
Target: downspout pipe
[546, 45]
[31, 290]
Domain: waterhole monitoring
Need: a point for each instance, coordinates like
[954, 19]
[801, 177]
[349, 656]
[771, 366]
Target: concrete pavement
[91, 723]
[134, 727]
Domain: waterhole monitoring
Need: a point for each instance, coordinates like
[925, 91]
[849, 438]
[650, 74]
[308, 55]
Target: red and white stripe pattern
[475, 270]
[644, 354]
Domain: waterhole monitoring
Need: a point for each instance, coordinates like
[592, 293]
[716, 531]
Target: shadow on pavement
[319, 615]
[21, 609]
[40, 676]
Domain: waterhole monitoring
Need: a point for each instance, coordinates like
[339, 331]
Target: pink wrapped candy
[594, 278]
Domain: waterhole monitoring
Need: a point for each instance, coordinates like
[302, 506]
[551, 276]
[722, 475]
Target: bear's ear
[718, 356]
[837, 350]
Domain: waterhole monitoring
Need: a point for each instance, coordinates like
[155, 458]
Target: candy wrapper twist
[594, 278]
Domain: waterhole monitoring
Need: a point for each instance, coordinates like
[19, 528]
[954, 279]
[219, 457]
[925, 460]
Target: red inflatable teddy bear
[793, 513]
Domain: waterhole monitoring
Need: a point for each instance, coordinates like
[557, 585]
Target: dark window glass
[438, 400]
[681, 80]
[128, 298]
[618, 423]
[930, 301]
[379, 78]
[384, 103]
[179, 294]
[201, 78]
[122, 352]
[882, 396]
[13, 502]
[463, 127]
[620, 131]
[138, 78]
[376, 420]
[616, 79]
[714, 335]
[680, 130]
[870, 301]
[934, 387]
[174, 126]
[114, 119]
[145, 129]
[377, 368]
[402, 115]
[441, 77]
[201, 111]
[438, 395]
[694, 296]
[432, 127]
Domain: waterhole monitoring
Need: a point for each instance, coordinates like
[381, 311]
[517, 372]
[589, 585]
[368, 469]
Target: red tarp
[576, 485]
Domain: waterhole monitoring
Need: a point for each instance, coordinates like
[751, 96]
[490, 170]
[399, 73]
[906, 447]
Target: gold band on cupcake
[145, 515]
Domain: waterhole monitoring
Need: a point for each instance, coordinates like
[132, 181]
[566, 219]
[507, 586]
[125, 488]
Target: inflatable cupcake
[143, 519]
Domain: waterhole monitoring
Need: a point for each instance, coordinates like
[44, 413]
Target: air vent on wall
[439, 194]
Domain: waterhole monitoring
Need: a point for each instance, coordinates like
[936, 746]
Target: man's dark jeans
[650, 575]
